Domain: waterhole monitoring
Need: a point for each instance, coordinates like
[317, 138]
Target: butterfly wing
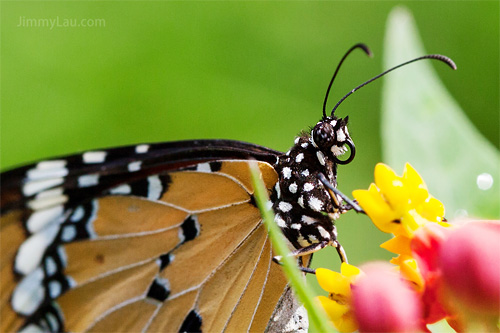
[158, 238]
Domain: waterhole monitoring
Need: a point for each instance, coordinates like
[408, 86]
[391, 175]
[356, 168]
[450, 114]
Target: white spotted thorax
[304, 209]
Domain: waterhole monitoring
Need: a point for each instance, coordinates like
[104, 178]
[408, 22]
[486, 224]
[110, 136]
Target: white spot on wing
[29, 293]
[62, 256]
[53, 322]
[48, 169]
[141, 149]
[315, 204]
[203, 167]
[90, 223]
[32, 187]
[68, 233]
[293, 187]
[54, 288]
[88, 180]
[299, 158]
[287, 172]
[92, 157]
[180, 234]
[304, 145]
[50, 265]
[296, 226]
[39, 219]
[134, 166]
[297, 139]
[305, 173]
[163, 282]
[285, 206]
[122, 189]
[31, 251]
[71, 282]
[47, 199]
[78, 214]
[54, 164]
[32, 328]
[154, 188]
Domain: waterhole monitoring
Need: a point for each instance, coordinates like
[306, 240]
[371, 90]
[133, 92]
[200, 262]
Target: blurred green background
[250, 71]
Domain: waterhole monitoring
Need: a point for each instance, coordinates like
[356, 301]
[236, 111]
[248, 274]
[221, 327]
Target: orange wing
[178, 251]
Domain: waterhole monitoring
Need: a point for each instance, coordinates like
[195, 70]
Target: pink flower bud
[383, 302]
[470, 265]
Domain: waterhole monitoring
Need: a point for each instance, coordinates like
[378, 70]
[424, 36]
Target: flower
[445, 271]
[383, 302]
[425, 247]
[338, 303]
[469, 261]
[399, 205]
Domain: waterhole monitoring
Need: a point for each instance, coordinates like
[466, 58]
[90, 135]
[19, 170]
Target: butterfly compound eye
[324, 135]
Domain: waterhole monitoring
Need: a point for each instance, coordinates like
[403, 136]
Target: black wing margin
[89, 174]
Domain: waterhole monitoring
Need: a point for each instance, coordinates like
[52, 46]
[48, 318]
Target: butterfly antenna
[360, 46]
[439, 57]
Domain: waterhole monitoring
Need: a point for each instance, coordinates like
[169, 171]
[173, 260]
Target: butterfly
[166, 236]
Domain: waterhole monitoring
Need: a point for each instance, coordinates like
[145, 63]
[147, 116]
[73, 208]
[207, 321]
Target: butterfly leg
[314, 248]
[302, 252]
[340, 251]
[350, 204]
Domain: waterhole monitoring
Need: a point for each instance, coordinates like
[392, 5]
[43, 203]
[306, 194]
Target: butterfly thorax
[304, 209]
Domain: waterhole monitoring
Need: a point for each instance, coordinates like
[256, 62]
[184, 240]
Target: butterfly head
[331, 136]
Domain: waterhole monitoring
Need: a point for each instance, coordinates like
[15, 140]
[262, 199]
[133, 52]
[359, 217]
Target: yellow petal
[398, 244]
[433, 209]
[333, 282]
[349, 270]
[446, 225]
[410, 271]
[399, 259]
[415, 184]
[376, 208]
[384, 174]
[347, 323]
[333, 309]
[392, 187]
[413, 177]
[411, 222]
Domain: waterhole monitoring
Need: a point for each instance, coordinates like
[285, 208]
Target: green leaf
[423, 125]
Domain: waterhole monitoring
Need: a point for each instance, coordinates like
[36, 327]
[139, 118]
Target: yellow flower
[338, 303]
[398, 244]
[399, 205]
[408, 269]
